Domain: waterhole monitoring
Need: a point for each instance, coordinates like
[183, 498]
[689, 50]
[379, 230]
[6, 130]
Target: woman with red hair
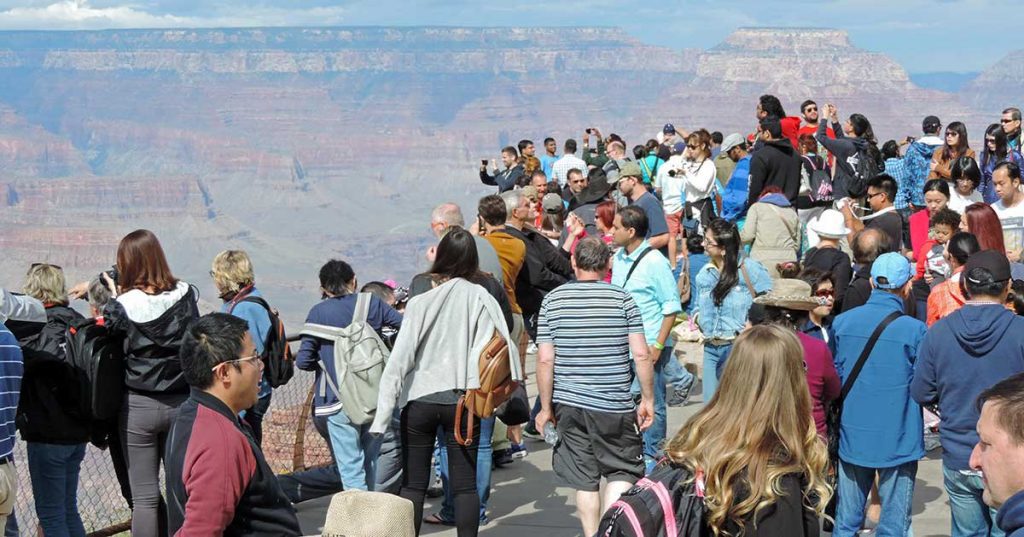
[980, 220]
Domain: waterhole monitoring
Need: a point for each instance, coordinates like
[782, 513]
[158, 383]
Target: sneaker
[502, 458]
[530, 431]
[531, 348]
[436, 489]
[680, 396]
[518, 451]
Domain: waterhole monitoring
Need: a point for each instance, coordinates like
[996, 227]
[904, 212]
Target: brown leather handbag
[496, 387]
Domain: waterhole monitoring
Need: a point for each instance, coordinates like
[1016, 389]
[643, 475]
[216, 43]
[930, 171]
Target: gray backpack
[359, 359]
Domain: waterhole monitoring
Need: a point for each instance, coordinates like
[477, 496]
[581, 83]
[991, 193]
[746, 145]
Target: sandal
[435, 518]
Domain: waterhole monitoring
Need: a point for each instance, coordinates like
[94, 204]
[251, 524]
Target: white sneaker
[531, 348]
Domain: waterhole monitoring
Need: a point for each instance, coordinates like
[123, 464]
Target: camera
[112, 273]
[672, 173]
[483, 162]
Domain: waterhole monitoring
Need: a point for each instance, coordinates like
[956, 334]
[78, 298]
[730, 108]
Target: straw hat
[358, 513]
[790, 294]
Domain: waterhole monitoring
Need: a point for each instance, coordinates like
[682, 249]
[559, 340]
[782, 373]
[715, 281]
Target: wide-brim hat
[830, 224]
[791, 294]
[358, 512]
[596, 190]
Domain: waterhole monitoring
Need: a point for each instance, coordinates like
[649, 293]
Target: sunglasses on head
[58, 267]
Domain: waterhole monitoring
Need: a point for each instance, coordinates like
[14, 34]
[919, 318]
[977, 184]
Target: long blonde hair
[757, 429]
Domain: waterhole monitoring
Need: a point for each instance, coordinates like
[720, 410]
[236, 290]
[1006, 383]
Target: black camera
[672, 173]
[112, 273]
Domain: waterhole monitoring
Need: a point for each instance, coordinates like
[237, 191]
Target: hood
[782, 145]
[923, 148]
[1011, 515]
[859, 143]
[778, 200]
[979, 328]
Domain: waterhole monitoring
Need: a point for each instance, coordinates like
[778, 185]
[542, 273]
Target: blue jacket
[882, 425]
[727, 320]
[917, 164]
[964, 354]
[259, 327]
[1010, 517]
[337, 312]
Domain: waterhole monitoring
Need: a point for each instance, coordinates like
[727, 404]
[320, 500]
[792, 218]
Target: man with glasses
[218, 481]
[1011, 126]
[883, 217]
[569, 161]
[811, 117]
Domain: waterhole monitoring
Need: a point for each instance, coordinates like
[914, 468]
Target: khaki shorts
[8, 491]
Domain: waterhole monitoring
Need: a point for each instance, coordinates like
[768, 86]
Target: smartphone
[483, 162]
[590, 131]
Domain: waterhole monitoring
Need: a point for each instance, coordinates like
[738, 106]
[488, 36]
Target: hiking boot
[680, 396]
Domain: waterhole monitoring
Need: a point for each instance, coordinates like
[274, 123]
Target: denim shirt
[727, 320]
[652, 286]
[259, 328]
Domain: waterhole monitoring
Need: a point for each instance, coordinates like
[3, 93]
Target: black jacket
[151, 348]
[49, 407]
[778, 164]
[786, 516]
[505, 180]
[542, 271]
[838, 263]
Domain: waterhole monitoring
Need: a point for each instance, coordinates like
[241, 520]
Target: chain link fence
[290, 442]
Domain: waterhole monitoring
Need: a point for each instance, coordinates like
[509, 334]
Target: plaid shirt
[560, 169]
[908, 189]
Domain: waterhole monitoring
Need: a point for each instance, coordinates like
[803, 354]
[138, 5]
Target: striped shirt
[589, 324]
[11, 367]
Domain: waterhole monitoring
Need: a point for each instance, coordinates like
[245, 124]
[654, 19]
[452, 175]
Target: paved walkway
[526, 502]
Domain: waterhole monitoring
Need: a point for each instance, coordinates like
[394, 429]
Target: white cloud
[81, 15]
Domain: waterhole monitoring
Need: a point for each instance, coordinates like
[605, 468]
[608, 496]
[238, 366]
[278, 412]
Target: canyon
[303, 144]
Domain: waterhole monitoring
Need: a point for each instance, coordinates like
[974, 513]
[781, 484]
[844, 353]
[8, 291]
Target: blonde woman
[48, 417]
[236, 285]
[755, 445]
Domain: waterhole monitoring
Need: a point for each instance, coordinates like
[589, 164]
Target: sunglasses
[1004, 120]
[58, 267]
[811, 109]
[990, 140]
[693, 146]
[824, 293]
[875, 194]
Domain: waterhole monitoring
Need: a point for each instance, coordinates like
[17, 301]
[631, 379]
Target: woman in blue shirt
[724, 290]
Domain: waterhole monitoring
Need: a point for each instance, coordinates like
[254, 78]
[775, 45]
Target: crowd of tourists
[849, 299]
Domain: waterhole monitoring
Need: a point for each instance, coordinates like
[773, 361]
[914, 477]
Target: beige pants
[8, 491]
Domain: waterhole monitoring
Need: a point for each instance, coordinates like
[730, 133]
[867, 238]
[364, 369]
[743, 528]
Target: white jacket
[438, 348]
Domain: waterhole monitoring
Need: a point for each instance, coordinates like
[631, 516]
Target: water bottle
[550, 433]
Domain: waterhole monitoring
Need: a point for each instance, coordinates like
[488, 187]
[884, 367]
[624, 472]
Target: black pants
[419, 429]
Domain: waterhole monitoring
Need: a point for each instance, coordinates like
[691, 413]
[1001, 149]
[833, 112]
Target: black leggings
[419, 429]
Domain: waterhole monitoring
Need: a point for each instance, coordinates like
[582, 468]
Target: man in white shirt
[1010, 206]
[560, 169]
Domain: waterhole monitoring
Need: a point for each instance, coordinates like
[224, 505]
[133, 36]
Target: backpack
[865, 166]
[98, 362]
[819, 183]
[359, 359]
[667, 503]
[496, 387]
[278, 362]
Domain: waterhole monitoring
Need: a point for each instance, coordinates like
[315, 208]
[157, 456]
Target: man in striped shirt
[585, 333]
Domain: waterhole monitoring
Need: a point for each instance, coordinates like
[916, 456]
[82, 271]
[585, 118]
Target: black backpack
[819, 181]
[98, 362]
[278, 362]
[865, 167]
[667, 503]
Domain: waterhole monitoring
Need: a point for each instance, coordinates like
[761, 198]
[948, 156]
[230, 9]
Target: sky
[923, 35]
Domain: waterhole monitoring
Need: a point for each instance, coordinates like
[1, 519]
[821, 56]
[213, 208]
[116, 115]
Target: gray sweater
[438, 348]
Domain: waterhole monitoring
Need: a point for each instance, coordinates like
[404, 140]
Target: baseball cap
[630, 169]
[731, 141]
[552, 203]
[678, 148]
[890, 271]
[669, 129]
[994, 262]
[930, 123]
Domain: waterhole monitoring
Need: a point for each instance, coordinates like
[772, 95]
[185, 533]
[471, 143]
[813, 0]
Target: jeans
[483, 470]
[654, 436]
[254, 417]
[316, 482]
[419, 429]
[54, 469]
[896, 489]
[146, 419]
[714, 363]
[355, 451]
[970, 517]
[676, 374]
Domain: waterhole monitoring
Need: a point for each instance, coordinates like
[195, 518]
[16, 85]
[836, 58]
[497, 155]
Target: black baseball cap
[930, 124]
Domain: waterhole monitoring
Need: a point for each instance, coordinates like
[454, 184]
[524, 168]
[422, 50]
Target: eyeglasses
[824, 293]
[255, 359]
[58, 267]
[707, 242]
[875, 194]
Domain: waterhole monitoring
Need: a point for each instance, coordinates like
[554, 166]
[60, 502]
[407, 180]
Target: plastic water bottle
[550, 433]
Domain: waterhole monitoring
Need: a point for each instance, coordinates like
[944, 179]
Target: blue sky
[923, 35]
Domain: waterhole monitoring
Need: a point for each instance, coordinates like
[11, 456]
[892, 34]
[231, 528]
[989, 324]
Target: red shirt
[822, 379]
